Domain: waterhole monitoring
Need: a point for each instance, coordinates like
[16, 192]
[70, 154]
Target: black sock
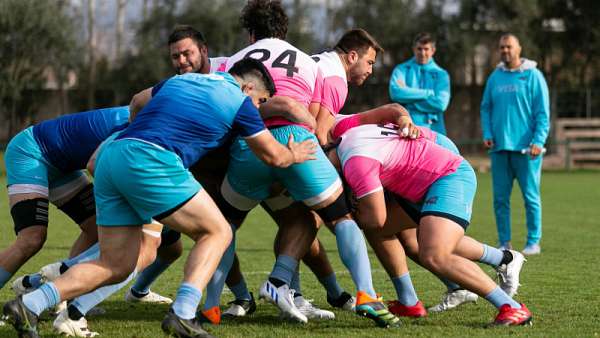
[26, 282]
[138, 294]
[74, 313]
[507, 257]
[63, 268]
[297, 294]
[277, 282]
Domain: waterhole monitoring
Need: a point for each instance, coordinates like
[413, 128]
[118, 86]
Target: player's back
[69, 141]
[294, 72]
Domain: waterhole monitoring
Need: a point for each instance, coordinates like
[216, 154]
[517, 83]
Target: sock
[187, 300]
[141, 287]
[4, 277]
[93, 252]
[334, 290]
[405, 290]
[283, 270]
[85, 303]
[41, 299]
[507, 257]
[240, 290]
[491, 256]
[449, 284]
[353, 252]
[215, 285]
[295, 283]
[32, 281]
[63, 268]
[498, 297]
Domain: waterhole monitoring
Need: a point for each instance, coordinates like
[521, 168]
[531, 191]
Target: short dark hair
[423, 38]
[181, 32]
[249, 67]
[264, 19]
[358, 40]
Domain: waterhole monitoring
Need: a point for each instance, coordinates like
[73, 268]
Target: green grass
[560, 286]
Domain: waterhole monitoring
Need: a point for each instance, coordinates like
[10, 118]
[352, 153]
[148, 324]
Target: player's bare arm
[138, 102]
[287, 108]
[273, 153]
[391, 113]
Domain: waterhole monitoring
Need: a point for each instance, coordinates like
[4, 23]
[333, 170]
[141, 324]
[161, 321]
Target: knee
[119, 268]
[433, 260]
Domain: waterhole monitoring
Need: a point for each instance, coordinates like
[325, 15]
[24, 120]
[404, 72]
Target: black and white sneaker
[345, 301]
[183, 328]
[23, 320]
[240, 308]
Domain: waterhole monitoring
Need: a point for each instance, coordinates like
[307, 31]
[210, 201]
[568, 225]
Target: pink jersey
[335, 83]
[218, 64]
[375, 157]
[295, 74]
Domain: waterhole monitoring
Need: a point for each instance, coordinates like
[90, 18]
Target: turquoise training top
[515, 109]
[427, 89]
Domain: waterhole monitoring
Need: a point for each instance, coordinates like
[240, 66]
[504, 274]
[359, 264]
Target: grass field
[561, 286]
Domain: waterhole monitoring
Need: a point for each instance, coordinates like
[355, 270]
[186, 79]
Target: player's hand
[488, 144]
[302, 151]
[407, 128]
[535, 151]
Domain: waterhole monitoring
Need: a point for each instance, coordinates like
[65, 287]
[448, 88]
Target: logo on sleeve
[431, 200]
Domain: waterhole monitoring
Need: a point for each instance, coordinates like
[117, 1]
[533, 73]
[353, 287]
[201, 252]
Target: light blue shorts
[452, 196]
[249, 180]
[28, 171]
[136, 181]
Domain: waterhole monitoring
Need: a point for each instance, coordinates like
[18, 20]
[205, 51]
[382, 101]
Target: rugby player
[142, 175]
[439, 183]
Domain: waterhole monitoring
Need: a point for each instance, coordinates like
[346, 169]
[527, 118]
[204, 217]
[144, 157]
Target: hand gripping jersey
[374, 157]
[295, 74]
[69, 141]
[335, 83]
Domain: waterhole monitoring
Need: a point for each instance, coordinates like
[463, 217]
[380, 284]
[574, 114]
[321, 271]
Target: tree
[31, 44]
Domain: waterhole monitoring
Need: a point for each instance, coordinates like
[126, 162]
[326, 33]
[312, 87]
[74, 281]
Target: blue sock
[295, 283]
[92, 253]
[491, 256]
[405, 290]
[334, 290]
[215, 285]
[449, 284]
[34, 280]
[4, 277]
[187, 300]
[240, 290]
[353, 252]
[41, 299]
[284, 269]
[498, 297]
[85, 303]
[148, 276]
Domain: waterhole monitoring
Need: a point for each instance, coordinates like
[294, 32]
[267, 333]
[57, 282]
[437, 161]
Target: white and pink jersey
[375, 157]
[295, 74]
[218, 64]
[335, 82]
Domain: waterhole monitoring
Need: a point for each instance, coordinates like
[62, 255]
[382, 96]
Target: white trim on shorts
[337, 184]
[68, 189]
[14, 189]
[236, 200]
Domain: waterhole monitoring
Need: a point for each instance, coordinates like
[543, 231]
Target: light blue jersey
[424, 90]
[515, 110]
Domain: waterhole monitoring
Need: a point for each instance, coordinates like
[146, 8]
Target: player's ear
[247, 88]
[352, 56]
